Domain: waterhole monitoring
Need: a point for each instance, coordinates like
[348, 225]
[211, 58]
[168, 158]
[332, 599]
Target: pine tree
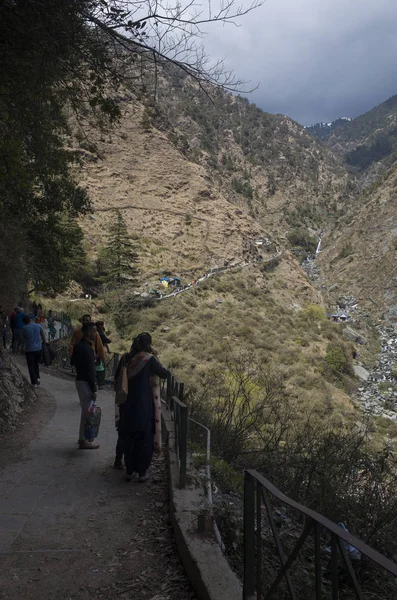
[120, 254]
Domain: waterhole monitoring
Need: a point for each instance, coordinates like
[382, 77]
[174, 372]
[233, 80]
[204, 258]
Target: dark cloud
[315, 60]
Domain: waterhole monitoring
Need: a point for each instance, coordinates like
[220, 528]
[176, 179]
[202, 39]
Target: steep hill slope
[269, 162]
[360, 253]
[199, 179]
[180, 219]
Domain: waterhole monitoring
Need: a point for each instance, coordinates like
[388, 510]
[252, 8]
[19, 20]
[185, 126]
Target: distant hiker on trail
[18, 325]
[83, 360]
[139, 425]
[3, 327]
[51, 325]
[97, 346]
[14, 343]
[33, 336]
[100, 367]
[100, 325]
[39, 315]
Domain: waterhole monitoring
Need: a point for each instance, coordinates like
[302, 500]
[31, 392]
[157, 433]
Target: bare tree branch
[163, 34]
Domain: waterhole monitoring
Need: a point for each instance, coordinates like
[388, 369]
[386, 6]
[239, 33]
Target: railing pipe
[314, 522]
[341, 533]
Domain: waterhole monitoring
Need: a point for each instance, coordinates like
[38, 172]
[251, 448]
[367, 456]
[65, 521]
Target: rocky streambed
[377, 394]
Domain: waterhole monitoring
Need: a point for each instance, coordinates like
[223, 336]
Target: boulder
[351, 335]
[361, 373]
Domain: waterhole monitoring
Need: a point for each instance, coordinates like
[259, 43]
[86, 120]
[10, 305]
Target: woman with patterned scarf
[139, 424]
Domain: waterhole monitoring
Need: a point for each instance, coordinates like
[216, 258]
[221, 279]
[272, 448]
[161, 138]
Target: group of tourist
[27, 335]
[12, 324]
[138, 419]
[138, 415]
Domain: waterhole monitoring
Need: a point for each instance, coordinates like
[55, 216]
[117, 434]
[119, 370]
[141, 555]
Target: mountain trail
[70, 527]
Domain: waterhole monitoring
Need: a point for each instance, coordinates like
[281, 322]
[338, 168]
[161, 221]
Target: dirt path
[70, 527]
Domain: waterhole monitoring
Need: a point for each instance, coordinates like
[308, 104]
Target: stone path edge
[206, 567]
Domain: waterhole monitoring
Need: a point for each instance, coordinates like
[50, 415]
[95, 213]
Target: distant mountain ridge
[368, 143]
[324, 130]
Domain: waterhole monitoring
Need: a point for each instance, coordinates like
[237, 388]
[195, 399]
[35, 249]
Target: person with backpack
[100, 364]
[18, 324]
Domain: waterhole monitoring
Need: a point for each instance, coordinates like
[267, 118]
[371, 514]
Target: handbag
[121, 386]
[92, 422]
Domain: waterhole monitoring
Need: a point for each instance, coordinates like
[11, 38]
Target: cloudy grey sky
[315, 60]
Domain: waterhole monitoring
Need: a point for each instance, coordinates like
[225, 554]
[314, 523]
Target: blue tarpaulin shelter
[171, 280]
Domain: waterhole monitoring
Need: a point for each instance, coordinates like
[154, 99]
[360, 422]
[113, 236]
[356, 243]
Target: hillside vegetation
[266, 162]
[275, 317]
[199, 179]
[324, 130]
[368, 143]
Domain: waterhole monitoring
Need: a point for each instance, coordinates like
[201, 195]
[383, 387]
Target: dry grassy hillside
[199, 178]
[274, 317]
[181, 220]
[360, 255]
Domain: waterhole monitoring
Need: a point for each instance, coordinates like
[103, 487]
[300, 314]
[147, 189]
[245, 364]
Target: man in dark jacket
[17, 325]
[84, 362]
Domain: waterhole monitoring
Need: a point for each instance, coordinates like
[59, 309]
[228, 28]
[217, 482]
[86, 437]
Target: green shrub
[228, 478]
[337, 361]
[271, 264]
[314, 312]
[242, 187]
[346, 251]
[303, 239]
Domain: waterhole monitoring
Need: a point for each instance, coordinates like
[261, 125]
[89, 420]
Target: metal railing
[66, 324]
[111, 365]
[256, 490]
[173, 396]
